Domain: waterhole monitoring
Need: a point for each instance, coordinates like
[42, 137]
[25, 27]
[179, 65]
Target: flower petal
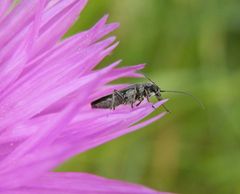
[21, 15]
[81, 183]
[57, 27]
[4, 7]
[56, 17]
[46, 88]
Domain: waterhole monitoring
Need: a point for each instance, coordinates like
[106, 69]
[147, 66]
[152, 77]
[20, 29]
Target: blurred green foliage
[191, 45]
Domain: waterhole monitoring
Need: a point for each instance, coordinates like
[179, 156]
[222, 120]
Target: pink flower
[46, 87]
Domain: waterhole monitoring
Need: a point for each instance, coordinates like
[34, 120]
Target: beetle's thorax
[152, 89]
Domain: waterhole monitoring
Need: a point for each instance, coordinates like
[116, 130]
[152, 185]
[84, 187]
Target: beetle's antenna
[149, 79]
[187, 94]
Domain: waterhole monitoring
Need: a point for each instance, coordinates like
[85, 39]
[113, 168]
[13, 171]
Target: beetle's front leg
[166, 109]
[140, 101]
[134, 96]
[147, 95]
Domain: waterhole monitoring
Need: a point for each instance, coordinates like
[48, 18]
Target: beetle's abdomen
[107, 102]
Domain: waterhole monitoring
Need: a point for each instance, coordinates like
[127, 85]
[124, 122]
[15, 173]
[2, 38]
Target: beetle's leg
[147, 95]
[139, 102]
[134, 96]
[132, 105]
[119, 94]
[113, 101]
[166, 109]
[116, 93]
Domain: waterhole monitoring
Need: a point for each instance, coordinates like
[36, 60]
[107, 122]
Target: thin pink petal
[4, 7]
[125, 72]
[21, 15]
[81, 183]
[52, 33]
[49, 18]
[43, 136]
[12, 67]
[72, 44]
[17, 106]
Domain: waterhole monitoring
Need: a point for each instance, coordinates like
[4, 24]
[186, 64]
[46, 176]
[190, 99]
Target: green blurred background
[191, 45]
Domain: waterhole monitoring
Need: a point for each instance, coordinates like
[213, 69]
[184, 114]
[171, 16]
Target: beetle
[134, 93]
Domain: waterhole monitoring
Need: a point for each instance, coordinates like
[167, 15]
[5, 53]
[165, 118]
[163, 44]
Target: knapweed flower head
[46, 87]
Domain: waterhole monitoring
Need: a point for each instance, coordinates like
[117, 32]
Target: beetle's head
[153, 90]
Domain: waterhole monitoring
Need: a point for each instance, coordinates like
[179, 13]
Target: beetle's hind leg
[116, 93]
[134, 97]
